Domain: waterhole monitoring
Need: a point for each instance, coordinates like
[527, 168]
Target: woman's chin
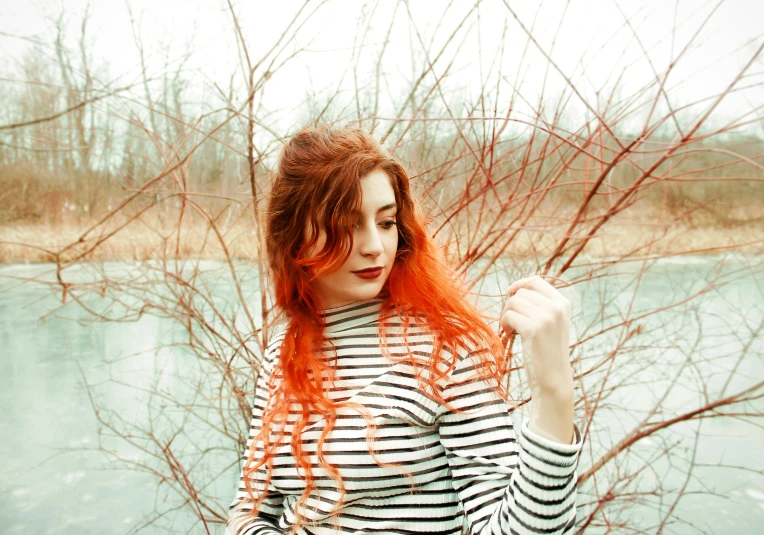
[368, 292]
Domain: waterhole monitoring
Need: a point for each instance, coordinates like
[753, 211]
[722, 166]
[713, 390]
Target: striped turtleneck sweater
[453, 472]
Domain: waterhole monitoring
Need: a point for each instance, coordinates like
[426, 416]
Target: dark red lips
[367, 270]
[369, 273]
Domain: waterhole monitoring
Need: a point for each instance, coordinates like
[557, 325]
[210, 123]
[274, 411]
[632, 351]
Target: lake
[55, 478]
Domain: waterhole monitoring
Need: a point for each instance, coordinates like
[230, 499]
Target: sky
[589, 41]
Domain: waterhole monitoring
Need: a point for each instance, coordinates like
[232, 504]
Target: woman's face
[375, 242]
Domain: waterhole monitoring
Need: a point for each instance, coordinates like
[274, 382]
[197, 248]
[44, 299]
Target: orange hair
[319, 172]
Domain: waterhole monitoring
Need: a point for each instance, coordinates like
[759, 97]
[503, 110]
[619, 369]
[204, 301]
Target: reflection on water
[55, 480]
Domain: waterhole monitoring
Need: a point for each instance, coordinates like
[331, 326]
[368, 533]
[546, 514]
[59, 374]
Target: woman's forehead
[377, 193]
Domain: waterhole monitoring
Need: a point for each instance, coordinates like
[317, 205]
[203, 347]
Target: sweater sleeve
[241, 521]
[508, 483]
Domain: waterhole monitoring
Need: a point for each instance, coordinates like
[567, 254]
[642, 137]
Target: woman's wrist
[552, 414]
[556, 386]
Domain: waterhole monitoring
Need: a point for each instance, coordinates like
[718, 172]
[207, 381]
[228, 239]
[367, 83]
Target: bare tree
[515, 183]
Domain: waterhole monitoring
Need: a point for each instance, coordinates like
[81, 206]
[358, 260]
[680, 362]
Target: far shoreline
[38, 243]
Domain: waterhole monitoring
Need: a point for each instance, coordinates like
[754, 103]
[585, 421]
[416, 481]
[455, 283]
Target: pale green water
[49, 482]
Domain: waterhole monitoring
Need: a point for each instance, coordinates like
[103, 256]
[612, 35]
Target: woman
[381, 407]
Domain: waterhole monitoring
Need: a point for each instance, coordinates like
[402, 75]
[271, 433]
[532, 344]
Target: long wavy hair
[319, 172]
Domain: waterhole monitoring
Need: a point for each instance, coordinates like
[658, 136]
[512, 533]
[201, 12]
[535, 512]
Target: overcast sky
[593, 45]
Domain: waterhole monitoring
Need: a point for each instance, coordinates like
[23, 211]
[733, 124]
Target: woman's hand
[541, 316]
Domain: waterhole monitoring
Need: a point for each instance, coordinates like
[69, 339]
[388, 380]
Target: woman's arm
[520, 483]
[541, 315]
[240, 519]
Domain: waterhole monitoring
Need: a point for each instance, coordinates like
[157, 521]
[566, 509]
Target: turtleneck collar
[353, 314]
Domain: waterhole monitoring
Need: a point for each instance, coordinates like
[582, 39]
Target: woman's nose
[370, 241]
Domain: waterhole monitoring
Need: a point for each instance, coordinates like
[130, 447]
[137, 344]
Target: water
[56, 477]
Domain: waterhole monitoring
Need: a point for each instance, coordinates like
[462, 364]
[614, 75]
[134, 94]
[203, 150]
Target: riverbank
[626, 234]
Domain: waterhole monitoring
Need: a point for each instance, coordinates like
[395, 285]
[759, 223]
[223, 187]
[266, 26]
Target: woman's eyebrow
[381, 208]
[387, 207]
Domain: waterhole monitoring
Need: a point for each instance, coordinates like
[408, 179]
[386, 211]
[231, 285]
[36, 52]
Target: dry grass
[40, 243]
[641, 232]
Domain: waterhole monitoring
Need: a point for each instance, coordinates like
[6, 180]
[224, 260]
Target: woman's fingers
[527, 305]
[535, 283]
[513, 321]
[538, 302]
[529, 296]
[540, 314]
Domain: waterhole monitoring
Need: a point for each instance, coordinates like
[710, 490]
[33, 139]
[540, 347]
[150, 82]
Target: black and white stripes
[444, 471]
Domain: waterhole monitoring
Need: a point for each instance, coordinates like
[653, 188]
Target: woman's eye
[386, 224]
